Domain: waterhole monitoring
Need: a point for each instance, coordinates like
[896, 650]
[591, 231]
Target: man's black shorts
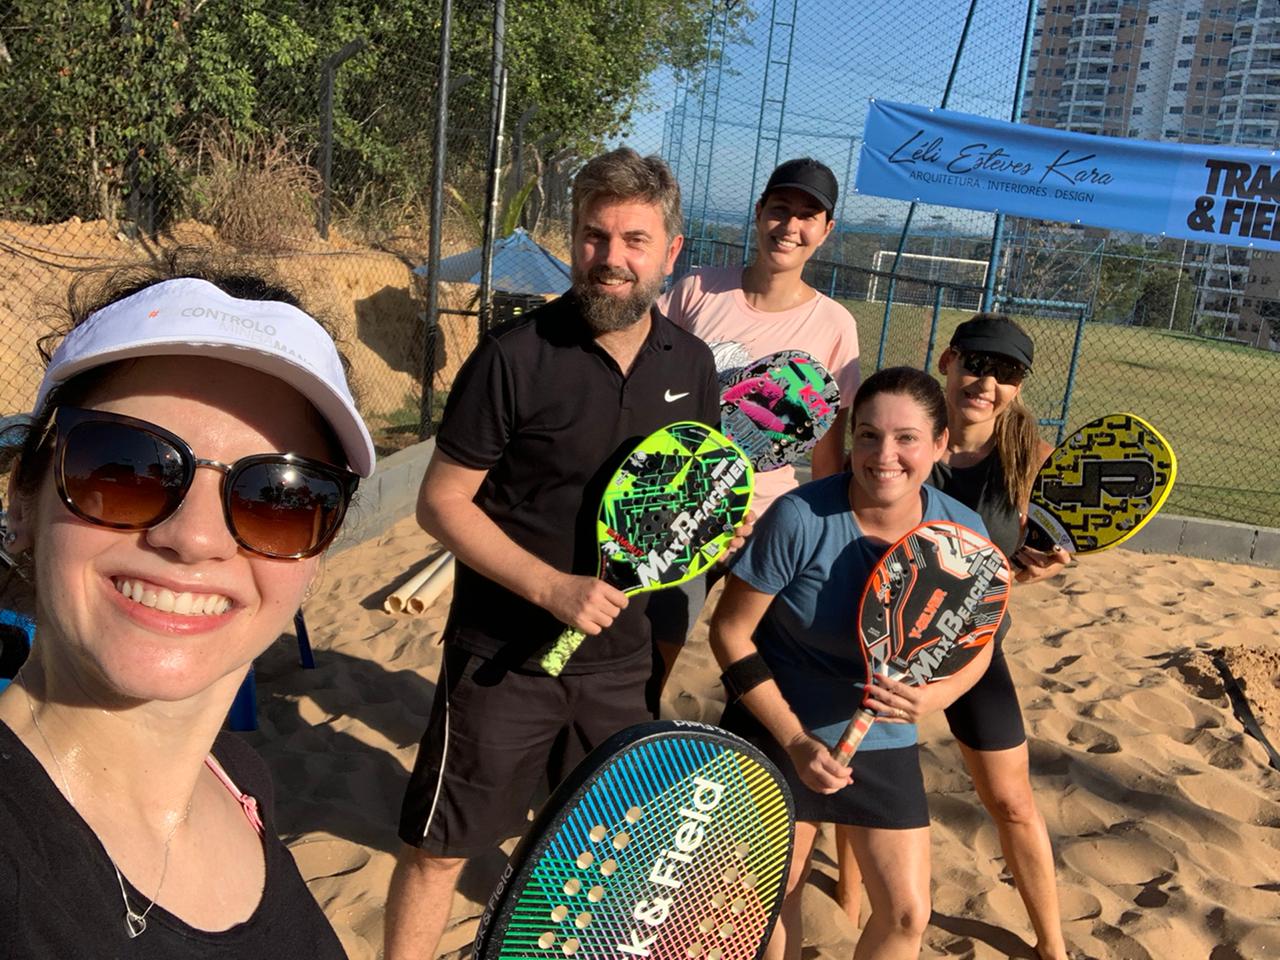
[495, 732]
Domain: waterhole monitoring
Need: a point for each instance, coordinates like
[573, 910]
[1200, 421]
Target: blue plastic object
[243, 715]
[520, 265]
[13, 619]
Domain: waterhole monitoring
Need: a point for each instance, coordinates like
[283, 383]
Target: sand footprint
[1221, 751]
[328, 857]
[1055, 686]
[1151, 896]
[1078, 904]
[1228, 797]
[1119, 944]
[1263, 941]
[1055, 639]
[1053, 726]
[1154, 708]
[1093, 738]
[1128, 858]
[1063, 663]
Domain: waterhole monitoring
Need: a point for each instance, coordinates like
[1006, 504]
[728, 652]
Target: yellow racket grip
[557, 655]
[849, 741]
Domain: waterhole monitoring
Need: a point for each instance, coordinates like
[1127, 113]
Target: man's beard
[605, 313]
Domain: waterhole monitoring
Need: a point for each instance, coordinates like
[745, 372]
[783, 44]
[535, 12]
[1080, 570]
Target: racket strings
[730, 921]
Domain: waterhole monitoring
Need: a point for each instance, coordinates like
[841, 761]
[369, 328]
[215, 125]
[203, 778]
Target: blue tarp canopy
[520, 265]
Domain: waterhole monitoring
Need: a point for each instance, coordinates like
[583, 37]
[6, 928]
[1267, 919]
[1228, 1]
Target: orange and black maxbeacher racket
[934, 600]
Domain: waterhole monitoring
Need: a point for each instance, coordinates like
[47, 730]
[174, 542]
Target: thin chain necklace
[134, 923]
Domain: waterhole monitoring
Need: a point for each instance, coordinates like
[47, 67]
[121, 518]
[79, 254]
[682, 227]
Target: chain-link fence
[1181, 333]
[286, 135]
[294, 136]
[304, 137]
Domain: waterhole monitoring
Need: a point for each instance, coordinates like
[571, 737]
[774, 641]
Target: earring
[10, 539]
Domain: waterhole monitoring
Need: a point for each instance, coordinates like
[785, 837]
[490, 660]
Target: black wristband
[744, 675]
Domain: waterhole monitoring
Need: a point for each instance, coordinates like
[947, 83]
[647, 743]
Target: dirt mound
[1258, 670]
[369, 293]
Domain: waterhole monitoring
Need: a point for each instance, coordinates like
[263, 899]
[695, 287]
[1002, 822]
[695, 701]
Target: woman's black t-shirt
[59, 897]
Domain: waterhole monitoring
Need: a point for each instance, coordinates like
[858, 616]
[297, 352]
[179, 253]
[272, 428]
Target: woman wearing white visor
[193, 450]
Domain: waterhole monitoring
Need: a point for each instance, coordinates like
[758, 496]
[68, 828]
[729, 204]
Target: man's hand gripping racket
[668, 513]
[932, 603]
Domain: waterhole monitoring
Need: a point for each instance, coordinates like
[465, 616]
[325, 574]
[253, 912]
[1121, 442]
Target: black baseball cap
[991, 333]
[812, 176]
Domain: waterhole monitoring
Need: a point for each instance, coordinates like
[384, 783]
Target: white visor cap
[193, 318]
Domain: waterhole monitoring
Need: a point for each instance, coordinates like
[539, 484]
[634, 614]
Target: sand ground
[1164, 814]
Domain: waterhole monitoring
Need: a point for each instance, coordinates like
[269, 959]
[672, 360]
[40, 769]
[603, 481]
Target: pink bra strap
[247, 803]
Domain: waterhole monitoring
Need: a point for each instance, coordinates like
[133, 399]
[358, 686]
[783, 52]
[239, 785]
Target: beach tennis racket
[671, 840]
[776, 408]
[930, 606]
[1100, 486]
[667, 514]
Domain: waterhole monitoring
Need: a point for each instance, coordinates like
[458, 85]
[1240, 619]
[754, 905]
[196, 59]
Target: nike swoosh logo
[672, 397]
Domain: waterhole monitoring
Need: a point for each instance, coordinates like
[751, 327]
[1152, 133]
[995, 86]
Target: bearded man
[538, 420]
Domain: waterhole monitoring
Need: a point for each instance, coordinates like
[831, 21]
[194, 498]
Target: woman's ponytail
[1018, 442]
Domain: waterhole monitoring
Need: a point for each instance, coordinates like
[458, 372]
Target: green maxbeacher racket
[668, 514]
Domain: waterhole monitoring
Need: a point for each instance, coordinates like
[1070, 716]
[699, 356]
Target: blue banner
[1206, 193]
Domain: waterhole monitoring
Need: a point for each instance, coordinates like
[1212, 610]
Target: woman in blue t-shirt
[993, 452]
[786, 633]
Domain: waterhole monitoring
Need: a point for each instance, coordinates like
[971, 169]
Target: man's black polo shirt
[550, 416]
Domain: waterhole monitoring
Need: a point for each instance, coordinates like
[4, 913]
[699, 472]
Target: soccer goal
[920, 274]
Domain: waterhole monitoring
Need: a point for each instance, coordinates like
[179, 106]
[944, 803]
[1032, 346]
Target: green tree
[1120, 276]
[1166, 299]
[104, 104]
[613, 46]
[89, 97]
[584, 64]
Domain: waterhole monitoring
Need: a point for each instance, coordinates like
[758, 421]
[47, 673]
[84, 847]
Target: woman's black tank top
[981, 487]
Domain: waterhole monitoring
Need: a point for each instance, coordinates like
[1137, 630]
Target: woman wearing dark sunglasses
[193, 450]
[993, 453]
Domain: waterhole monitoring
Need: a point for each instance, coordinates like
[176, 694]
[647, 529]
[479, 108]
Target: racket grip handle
[849, 741]
[557, 655]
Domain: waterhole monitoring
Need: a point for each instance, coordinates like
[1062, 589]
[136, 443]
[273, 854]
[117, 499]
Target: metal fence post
[329, 68]
[497, 114]
[491, 209]
[911, 210]
[425, 413]
[997, 233]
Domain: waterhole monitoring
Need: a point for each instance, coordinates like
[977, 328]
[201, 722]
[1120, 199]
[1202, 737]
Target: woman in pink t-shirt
[745, 313]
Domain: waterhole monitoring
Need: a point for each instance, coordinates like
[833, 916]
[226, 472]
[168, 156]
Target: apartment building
[1193, 71]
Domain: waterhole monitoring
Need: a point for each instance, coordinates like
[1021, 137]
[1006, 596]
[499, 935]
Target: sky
[843, 52]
